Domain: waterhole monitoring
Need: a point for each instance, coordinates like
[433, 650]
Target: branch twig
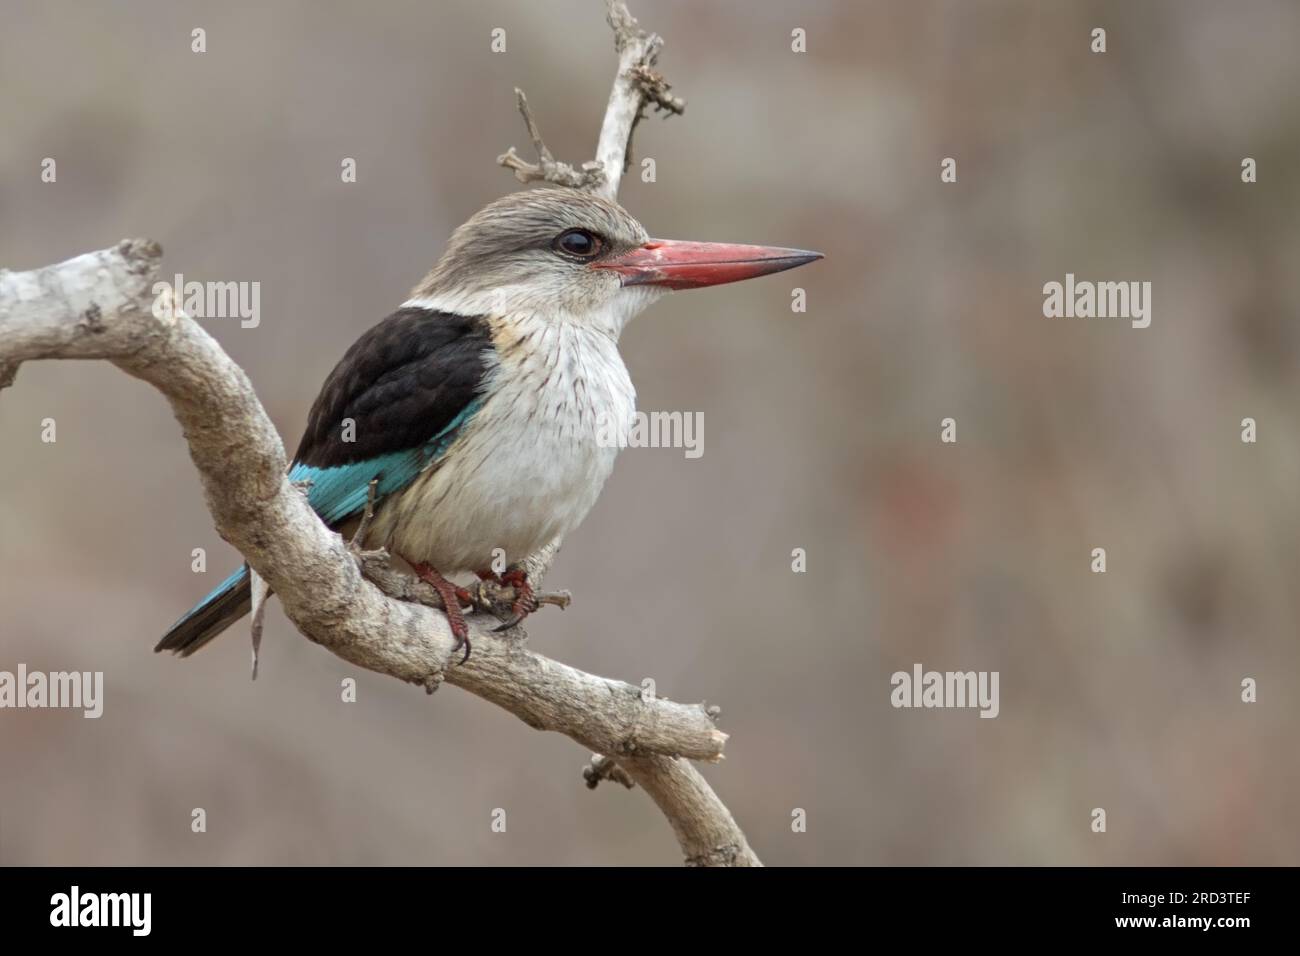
[636, 85]
[547, 169]
[605, 768]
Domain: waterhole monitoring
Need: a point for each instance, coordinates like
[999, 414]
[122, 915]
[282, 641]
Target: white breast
[530, 463]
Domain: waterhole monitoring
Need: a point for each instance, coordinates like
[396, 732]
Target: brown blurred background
[1119, 690]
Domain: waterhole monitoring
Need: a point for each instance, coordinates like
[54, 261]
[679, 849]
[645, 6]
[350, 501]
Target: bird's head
[570, 255]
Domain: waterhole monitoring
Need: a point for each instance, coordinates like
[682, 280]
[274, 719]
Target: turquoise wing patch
[340, 491]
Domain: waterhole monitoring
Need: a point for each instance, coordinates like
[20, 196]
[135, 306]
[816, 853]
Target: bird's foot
[525, 602]
[490, 596]
[453, 598]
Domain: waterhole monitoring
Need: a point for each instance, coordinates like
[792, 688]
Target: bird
[488, 409]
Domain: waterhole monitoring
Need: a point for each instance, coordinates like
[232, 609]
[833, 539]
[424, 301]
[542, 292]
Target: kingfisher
[488, 410]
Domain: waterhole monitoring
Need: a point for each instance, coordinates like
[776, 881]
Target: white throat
[518, 304]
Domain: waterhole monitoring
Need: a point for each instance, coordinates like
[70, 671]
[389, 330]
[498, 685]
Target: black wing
[403, 382]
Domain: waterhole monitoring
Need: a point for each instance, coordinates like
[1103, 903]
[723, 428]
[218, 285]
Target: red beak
[674, 264]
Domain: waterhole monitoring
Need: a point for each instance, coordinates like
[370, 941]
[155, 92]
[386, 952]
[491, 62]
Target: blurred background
[1118, 690]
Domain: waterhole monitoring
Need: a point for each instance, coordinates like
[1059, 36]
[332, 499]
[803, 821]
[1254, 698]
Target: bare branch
[707, 832]
[636, 85]
[367, 516]
[704, 826]
[546, 169]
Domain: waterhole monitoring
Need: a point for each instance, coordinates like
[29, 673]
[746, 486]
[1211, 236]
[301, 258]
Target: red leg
[452, 599]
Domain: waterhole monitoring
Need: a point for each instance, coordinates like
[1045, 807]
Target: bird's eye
[579, 243]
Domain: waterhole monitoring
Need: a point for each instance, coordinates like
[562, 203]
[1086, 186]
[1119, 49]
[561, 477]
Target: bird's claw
[525, 602]
[515, 621]
[460, 631]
